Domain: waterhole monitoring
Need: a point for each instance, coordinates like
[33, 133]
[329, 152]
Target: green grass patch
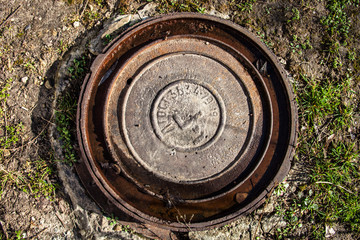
[65, 114]
[35, 176]
[10, 133]
[245, 5]
[337, 26]
[335, 177]
[65, 117]
[337, 22]
[167, 6]
[331, 194]
[322, 103]
[39, 178]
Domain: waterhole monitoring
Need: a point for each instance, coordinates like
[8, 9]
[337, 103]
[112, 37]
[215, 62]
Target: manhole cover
[186, 121]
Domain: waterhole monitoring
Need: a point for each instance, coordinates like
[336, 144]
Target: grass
[337, 22]
[35, 176]
[297, 45]
[335, 177]
[326, 105]
[65, 114]
[331, 193]
[89, 12]
[35, 179]
[245, 6]
[65, 118]
[337, 25]
[321, 103]
[295, 15]
[18, 235]
[114, 221]
[167, 6]
[10, 133]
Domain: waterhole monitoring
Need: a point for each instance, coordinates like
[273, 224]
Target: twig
[336, 186]
[84, 7]
[183, 217]
[48, 121]
[60, 219]
[36, 235]
[10, 15]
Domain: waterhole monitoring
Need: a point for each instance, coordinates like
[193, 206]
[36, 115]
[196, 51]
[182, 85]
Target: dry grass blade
[347, 190]
[10, 15]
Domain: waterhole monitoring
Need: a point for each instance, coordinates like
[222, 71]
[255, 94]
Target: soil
[39, 40]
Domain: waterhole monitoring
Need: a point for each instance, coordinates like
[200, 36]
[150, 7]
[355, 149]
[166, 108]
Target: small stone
[118, 228]
[329, 231]
[24, 80]
[6, 153]
[148, 10]
[118, 23]
[76, 24]
[111, 3]
[281, 60]
[82, 232]
[39, 81]
[27, 28]
[48, 85]
[225, 15]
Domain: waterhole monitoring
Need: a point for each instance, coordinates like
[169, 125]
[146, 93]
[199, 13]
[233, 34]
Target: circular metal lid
[179, 123]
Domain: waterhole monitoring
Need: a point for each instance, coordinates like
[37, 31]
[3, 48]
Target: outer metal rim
[89, 167]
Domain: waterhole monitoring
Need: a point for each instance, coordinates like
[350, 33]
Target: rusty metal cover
[186, 121]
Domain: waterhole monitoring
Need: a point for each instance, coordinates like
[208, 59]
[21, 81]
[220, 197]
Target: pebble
[6, 153]
[281, 60]
[329, 232]
[27, 28]
[24, 80]
[48, 85]
[118, 23]
[76, 24]
[118, 228]
[40, 81]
